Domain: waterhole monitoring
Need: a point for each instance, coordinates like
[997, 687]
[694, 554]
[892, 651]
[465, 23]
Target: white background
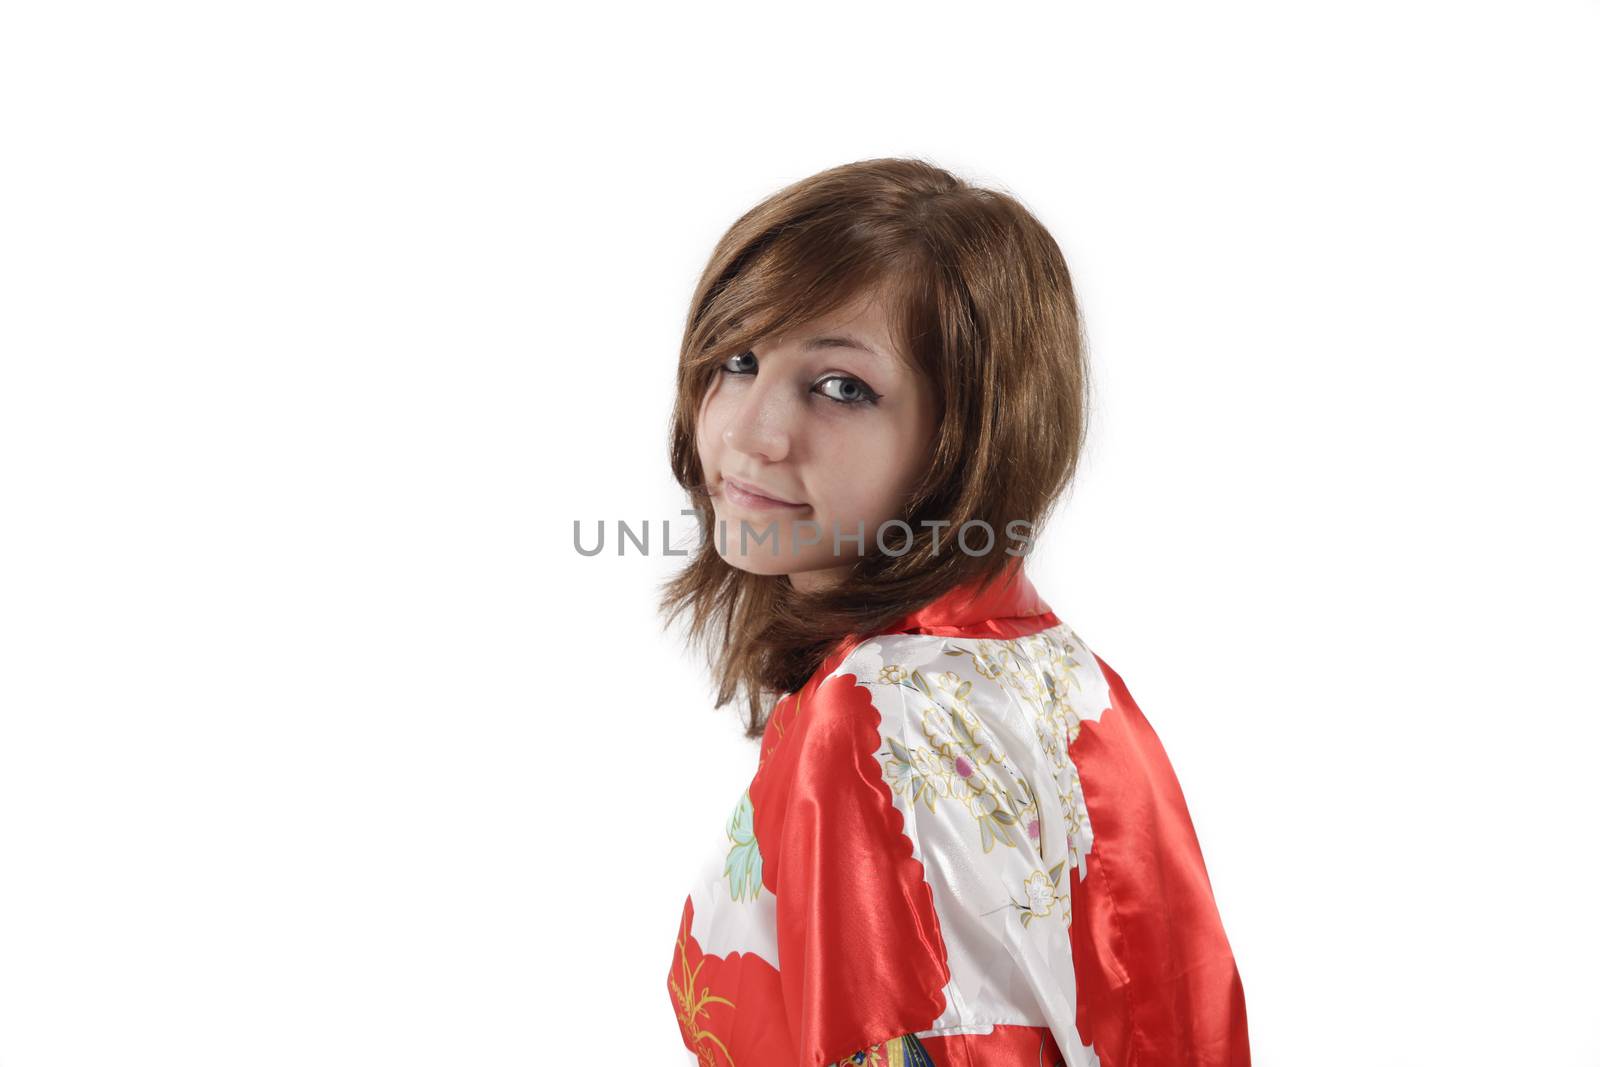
[323, 322]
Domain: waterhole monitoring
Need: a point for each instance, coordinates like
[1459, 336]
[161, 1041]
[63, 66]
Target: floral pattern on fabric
[1043, 670]
[954, 695]
[1044, 895]
[904, 1051]
[960, 763]
[743, 868]
[711, 994]
[863, 858]
[694, 1001]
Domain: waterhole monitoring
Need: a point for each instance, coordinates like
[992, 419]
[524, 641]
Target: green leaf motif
[743, 868]
[958, 726]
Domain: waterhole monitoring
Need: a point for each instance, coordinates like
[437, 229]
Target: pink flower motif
[963, 768]
[1033, 829]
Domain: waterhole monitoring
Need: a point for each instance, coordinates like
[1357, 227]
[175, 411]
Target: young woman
[963, 844]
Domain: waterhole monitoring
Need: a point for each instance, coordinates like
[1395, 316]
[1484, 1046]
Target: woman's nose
[762, 424]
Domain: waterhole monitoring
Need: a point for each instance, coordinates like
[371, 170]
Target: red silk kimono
[964, 845]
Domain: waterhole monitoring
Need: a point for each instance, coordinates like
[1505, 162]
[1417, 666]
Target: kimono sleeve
[1158, 982]
[861, 958]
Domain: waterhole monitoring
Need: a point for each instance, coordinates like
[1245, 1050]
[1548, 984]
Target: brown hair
[981, 303]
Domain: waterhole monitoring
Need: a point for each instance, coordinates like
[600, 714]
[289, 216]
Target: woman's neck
[816, 581]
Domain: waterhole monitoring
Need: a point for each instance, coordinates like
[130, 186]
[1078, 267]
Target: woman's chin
[762, 562]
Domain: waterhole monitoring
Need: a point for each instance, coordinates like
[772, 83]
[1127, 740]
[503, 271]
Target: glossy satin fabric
[842, 873]
[875, 916]
[1158, 980]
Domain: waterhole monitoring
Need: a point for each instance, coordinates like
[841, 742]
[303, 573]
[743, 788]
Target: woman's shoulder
[1049, 670]
[1019, 768]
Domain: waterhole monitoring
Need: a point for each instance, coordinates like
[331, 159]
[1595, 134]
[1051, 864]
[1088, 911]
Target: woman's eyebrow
[841, 341]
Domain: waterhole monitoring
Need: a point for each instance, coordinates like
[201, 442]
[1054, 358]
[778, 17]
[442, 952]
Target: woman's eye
[849, 390]
[743, 363]
[839, 388]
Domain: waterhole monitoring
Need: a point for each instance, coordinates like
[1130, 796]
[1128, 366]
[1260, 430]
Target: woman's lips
[746, 496]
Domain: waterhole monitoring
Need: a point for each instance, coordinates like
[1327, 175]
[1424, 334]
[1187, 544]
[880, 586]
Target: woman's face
[831, 427]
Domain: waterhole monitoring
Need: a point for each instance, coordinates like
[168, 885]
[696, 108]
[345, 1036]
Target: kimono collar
[1010, 607]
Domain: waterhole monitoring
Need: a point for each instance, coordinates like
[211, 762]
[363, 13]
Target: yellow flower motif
[1041, 894]
[993, 659]
[893, 674]
[983, 803]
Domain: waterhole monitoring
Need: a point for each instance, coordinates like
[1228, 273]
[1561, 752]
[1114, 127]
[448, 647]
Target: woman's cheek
[857, 508]
[708, 433]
